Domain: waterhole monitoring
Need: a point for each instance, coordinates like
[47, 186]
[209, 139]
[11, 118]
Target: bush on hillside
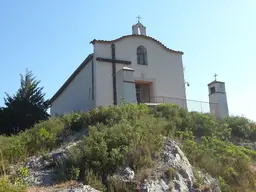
[46, 135]
[126, 139]
[242, 127]
[42, 137]
[223, 160]
[212, 150]
[7, 186]
[133, 143]
[199, 124]
[132, 135]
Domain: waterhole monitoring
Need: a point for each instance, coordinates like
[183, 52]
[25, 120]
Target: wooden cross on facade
[215, 76]
[114, 61]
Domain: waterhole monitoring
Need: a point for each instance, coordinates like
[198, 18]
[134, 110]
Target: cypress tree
[25, 108]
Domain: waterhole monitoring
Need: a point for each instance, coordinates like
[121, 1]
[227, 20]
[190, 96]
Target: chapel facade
[136, 68]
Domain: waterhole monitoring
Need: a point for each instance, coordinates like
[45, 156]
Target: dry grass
[65, 185]
[205, 188]
[143, 174]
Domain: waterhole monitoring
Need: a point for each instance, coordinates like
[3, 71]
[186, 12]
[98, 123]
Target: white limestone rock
[172, 159]
[39, 167]
[124, 174]
[83, 188]
[210, 181]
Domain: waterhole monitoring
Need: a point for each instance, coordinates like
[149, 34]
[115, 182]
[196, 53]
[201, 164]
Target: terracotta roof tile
[86, 61]
[143, 36]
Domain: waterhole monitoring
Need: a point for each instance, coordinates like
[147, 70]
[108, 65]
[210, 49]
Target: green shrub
[171, 174]
[114, 114]
[106, 148]
[69, 168]
[198, 179]
[66, 173]
[222, 159]
[178, 118]
[94, 180]
[42, 137]
[207, 125]
[2, 164]
[36, 141]
[20, 177]
[119, 186]
[13, 148]
[74, 121]
[242, 127]
[53, 125]
[7, 186]
[132, 135]
[197, 123]
[253, 134]
[134, 142]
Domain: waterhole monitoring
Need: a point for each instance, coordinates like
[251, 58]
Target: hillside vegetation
[133, 135]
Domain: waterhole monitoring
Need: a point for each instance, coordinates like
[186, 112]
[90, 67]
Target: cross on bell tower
[138, 17]
[215, 76]
[218, 98]
[138, 29]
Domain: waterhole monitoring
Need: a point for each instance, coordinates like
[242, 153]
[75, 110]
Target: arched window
[142, 55]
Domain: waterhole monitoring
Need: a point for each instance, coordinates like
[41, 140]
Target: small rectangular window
[212, 90]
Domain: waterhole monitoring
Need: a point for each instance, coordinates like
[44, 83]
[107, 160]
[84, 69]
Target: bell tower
[218, 99]
[138, 29]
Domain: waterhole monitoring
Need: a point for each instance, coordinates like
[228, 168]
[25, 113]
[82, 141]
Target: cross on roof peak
[138, 17]
[215, 76]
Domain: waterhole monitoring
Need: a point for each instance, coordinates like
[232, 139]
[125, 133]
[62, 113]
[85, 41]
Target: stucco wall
[119, 85]
[164, 69]
[219, 97]
[77, 96]
[219, 87]
[126, 86]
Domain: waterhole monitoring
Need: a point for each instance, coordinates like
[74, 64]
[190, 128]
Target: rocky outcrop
[68, 188]
[125, 174]
[82, 188]
[40, 167]
[209, 182]
[173, 159]
[172, 173]
[40, 171]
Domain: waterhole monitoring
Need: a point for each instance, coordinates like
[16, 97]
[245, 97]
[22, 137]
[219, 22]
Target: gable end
[70, 79]
[138, 36]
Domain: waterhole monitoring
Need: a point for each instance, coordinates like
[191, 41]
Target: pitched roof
[69, 80]
[215, 82]
[143, 36]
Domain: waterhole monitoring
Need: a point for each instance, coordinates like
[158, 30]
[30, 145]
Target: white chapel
[136, 68]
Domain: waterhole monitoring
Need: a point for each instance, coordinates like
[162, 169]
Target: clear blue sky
[51, 38]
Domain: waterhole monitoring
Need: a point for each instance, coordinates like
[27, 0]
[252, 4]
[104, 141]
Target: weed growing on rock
[6, 185]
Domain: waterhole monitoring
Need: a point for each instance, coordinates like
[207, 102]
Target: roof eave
[215, 82]
[144, 36]
[70, 79]
[93, 41]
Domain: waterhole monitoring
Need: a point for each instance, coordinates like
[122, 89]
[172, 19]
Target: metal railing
[191, 105]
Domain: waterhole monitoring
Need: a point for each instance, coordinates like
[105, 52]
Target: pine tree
[26, 107]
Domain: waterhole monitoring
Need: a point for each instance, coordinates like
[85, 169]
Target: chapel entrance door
[143, 91]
